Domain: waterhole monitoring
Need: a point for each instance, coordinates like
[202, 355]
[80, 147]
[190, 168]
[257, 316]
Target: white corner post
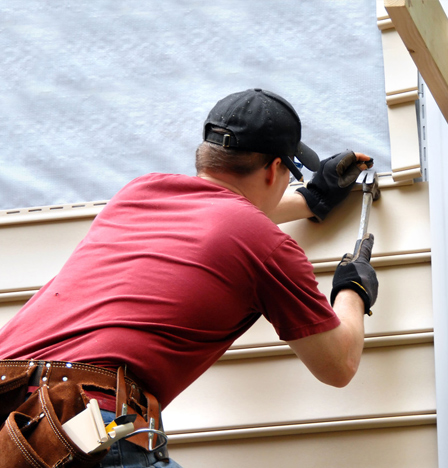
[437, 146]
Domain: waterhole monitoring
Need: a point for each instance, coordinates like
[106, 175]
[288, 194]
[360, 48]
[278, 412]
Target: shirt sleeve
[289, 297]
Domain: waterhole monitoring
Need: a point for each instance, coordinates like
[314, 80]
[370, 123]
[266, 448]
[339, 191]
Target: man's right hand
[356, 273]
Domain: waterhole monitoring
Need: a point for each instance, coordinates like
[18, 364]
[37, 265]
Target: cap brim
[307, 157]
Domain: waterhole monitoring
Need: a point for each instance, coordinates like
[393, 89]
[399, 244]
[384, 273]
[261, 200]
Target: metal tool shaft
[371, 192]
[367, 199]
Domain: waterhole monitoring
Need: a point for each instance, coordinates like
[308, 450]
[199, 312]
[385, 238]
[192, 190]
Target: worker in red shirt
[171, 273]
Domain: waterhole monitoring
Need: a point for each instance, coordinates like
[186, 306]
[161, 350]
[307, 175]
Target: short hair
[215, 158]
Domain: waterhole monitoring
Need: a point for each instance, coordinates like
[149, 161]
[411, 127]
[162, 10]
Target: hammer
[371, 192]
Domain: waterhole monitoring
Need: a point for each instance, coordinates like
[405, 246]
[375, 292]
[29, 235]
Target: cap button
[257, 89]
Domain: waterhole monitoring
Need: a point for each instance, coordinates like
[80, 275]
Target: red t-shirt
[172, 271]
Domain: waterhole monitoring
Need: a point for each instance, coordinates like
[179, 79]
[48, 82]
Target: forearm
[333, 357]
[342, 356]
[292, 207]
[349, 307]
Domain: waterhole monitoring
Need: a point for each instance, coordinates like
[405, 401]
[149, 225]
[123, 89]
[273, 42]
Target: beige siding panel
[403, 127]
[412, 447]
[262, 333]
[404, 305]
[401, 85]
[381, 12]
[400, 72]
[261, 392]
[404, 302]
[399, 221]
[33, 253]
[401, 98]
[384, 23]
[8, 310]
[52, 213]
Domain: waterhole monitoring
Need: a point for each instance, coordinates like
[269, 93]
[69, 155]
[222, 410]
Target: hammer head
[369, 181]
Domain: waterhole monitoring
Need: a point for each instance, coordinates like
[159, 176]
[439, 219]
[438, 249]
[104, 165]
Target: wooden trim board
[423, 27]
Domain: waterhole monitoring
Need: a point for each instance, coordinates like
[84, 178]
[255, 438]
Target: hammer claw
[370, 177]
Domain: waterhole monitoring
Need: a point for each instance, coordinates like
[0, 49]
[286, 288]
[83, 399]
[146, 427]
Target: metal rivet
[48, 364]
[44, 379]
[41, 415]
[31, 364]
[133, 386]
[69, 364]
[64, 379]
[3, 377]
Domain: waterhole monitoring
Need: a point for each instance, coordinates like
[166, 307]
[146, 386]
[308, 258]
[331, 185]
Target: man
[175, 268]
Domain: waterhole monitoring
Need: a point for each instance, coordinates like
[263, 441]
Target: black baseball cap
[260, 121]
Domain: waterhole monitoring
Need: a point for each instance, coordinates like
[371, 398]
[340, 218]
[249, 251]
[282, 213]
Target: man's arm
[292, 206]
[333, 356]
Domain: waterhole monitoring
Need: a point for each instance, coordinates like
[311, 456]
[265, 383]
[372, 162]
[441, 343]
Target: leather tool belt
[31, 424]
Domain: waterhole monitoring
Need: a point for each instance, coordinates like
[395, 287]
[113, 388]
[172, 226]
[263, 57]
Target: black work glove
[356, 273]
[331, 183]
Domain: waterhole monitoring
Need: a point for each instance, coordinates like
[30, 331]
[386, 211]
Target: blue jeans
[123, 454]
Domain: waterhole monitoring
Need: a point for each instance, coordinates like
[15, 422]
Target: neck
[223, 183]
[242, 185]
[263, 188]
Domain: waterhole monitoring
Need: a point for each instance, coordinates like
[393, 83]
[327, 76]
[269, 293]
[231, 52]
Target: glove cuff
[314, 204]
[354, 286]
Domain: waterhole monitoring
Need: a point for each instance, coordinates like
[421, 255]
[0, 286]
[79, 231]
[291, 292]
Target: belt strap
[53, 372]
[121, 405]
[151, 420]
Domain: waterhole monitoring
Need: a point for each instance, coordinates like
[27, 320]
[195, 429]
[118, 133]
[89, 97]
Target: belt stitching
[41, 366]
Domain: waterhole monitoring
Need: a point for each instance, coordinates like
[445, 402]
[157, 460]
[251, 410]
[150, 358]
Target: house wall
[259, 404]
[259, 400]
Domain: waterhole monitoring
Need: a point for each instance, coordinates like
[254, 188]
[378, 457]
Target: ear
[272, 171]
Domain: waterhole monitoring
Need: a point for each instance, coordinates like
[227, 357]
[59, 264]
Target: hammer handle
[367, 199]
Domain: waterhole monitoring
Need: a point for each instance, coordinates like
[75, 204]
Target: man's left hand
[332, 183]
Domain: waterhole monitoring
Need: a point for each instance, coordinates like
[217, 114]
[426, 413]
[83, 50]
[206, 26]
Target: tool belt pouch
[13, 391]
[32, 435]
